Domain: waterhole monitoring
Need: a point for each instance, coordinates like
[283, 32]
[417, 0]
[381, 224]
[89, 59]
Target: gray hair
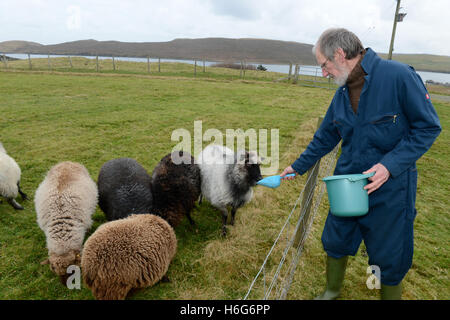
[335, 38]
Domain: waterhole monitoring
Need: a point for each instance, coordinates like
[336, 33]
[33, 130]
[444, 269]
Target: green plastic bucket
[346, 194]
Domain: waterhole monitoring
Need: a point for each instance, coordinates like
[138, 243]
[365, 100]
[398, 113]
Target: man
[384, 117]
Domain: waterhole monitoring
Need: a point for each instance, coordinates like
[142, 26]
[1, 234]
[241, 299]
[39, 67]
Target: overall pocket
[385, 132]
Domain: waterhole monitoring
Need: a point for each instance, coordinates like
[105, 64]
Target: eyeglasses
[324, 65]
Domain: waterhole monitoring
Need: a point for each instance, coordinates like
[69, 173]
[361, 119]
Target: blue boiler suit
[395, 125]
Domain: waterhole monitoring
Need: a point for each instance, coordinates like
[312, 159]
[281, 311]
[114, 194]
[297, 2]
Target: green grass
[47, 118]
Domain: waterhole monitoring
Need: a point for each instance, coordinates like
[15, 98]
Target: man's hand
[378, 179]
[287, 171]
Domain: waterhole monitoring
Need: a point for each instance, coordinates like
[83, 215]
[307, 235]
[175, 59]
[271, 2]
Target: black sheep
[124, 188]
[175, 187]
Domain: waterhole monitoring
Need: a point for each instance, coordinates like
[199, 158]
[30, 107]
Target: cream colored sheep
[10, 179]
[64, 203]
[134, 252]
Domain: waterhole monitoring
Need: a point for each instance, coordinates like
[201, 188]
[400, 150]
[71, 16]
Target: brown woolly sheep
[64, 202]
[130, 253]
[176, 185]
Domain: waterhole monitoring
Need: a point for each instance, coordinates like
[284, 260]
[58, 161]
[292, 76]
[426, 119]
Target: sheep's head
[251, 162]
[60, 263]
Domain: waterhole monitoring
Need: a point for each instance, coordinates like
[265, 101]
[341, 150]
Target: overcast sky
[425, 29]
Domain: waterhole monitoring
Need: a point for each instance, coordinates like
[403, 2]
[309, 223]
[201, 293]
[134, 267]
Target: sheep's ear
[46, 261]
[252, 157]
[242, 156]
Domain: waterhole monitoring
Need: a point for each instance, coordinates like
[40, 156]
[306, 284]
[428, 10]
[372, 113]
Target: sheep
[130, 253]
[227, 178]
[10, 179]
[124, 188]
[65, 201]
[176, 186]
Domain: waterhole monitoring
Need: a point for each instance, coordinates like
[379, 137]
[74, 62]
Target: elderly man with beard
[383, 114]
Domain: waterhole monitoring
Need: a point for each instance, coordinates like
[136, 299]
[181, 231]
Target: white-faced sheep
[175, 187]
[126, 254]
[65, 201]
[10, 179]
[124, 188]
[227, 178]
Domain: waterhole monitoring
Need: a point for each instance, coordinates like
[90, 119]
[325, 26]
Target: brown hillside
[212, 49]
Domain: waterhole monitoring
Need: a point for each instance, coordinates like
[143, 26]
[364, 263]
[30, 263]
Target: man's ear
[340, 55]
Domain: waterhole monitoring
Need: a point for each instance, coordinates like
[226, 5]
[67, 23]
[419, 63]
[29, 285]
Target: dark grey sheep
[124, 188]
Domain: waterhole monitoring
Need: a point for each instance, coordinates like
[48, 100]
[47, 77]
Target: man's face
[334, 68]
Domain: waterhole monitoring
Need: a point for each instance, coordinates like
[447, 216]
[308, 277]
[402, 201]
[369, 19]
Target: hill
[211, 49]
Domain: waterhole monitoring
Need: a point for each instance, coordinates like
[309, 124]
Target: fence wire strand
[282, 284]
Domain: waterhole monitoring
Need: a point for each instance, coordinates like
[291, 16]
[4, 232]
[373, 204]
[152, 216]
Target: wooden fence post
[70, 61]
[5, 62]
[29, 62]
[290, 72]
[307, 200]
[97, 62]
[195, 68]
[49, 63]
[114, 64]
[159, 64]
[296, 73]
[204, 66]
[148, 64]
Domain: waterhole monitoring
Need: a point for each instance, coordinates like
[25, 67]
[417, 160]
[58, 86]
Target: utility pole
[391, 47]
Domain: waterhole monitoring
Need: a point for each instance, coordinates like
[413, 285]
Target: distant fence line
[297, 74]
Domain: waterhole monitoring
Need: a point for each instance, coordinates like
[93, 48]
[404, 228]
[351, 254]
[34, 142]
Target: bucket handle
[364, 176]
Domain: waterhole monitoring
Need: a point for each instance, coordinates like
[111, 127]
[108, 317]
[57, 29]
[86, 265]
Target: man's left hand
[378, 179]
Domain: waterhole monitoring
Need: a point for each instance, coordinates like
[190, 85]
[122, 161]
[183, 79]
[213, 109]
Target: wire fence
[294, 73]
[276, 274]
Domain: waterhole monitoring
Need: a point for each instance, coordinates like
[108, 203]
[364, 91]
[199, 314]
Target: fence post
[114, 64]
[159, 64]
[148, 64]
[290, 71]
[70, 61]
[97, 62]
[195, 68]
[204, 66]
[29, 62]
[49, 63]
[307, 200]
[5, 62]
[296, 73]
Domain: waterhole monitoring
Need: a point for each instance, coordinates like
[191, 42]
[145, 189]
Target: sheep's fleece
[134, 252]
[9, 178]
[65, 202]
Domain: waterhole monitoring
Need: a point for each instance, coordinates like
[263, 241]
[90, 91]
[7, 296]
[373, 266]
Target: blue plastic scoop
[273, 181]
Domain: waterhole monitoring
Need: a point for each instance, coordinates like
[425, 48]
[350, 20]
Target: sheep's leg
[233, 212]
[224, 212]
[22, 194]
[192, 222]
[14, 204]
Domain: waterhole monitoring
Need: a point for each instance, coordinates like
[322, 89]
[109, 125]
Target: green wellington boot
[335, 277]
[391, 292]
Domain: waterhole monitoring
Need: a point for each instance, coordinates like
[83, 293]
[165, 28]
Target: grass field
[47, 118]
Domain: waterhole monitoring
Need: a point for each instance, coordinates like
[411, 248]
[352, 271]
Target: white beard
[342, 79]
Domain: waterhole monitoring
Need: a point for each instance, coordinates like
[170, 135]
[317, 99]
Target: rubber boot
[391, 292]
[335, 277]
